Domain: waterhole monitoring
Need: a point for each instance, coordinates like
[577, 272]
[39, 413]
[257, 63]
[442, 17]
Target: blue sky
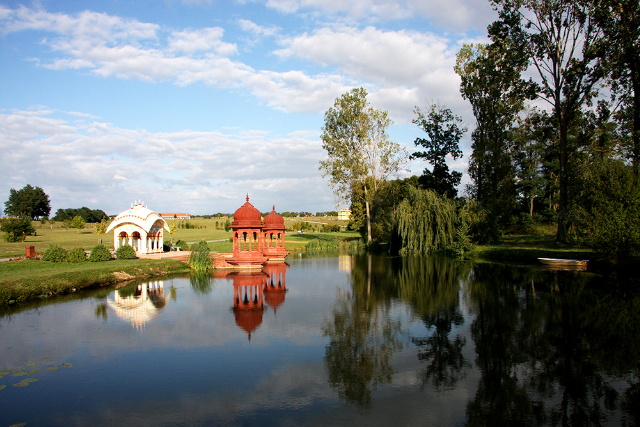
[188, 105]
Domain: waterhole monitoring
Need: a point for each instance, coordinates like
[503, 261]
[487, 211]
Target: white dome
[139, 215]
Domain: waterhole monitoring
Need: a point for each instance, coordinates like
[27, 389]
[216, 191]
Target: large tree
[619, 21]
[562, 42]
[28, 202]
[491, 81]
[444, 130]
[360, 156]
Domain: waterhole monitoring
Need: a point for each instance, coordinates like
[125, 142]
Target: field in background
[199, 229]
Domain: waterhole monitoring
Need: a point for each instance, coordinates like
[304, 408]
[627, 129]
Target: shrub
[199, 259]
[330, 228]
[100, 253]
[182, 245]
[76, 255]
[55, 253]
[126, 252]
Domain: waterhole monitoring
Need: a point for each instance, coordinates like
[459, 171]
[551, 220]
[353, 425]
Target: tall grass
[200, 257]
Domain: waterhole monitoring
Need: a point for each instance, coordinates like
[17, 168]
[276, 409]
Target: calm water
[353, 340]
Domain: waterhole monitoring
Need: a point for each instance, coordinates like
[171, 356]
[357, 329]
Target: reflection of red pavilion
[275, 286]
[251, 289]
[248, 302]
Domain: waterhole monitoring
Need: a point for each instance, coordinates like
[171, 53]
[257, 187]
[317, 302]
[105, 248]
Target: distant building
[344, 214]
[174, 215]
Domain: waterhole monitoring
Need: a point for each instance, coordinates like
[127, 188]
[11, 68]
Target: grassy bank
[525, 249]
[27, 280]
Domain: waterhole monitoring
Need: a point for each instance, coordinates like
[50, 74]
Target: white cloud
[258, 30]
[201, 40]
[179, 170]
[456, 15]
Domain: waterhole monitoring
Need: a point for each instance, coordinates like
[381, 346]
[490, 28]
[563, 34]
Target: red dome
[274, 220]
[247, 216]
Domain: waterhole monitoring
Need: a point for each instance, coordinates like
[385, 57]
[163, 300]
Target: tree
[444, 131]
[491, 81]
[77, 222]
[89, 215]
[17, 229]
[562, 41]
[619, 21]
[425, 222]
[360, 156]
[608, 215]
[28, 202]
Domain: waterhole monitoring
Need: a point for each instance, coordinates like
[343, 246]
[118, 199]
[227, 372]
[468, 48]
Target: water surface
[331, 341]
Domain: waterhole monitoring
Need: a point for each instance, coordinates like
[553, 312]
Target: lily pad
[2, 386]
[52, 368]
[67, 365]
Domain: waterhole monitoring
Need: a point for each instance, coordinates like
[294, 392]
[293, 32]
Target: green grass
[526, 249]
[26, 280]
[87, 238]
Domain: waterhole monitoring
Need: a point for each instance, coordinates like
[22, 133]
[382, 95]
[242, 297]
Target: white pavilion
[140, 228]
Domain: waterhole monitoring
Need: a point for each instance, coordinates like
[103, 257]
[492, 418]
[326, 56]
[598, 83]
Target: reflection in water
[363, 337]
[201, 282]
[362, 342]
[431, 285]
[553, 348]
[252, 288]
[368, 341]
[139, 303]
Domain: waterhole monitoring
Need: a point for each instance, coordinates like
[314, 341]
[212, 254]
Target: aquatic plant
[199, 259]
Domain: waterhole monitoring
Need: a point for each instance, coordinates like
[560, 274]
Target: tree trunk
[368, 211]
[561, 235]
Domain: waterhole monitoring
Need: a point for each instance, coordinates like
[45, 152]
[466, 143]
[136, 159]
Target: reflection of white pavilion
[140, 228]
[142, 306]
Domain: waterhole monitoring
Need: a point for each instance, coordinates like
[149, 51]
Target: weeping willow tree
[425, 222]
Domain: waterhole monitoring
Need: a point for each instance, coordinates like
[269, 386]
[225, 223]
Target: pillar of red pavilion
[273, 237]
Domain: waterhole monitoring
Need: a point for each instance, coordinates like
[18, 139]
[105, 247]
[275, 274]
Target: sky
[191, 105]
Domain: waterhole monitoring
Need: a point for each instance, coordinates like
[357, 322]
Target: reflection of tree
[431, 286]
[443, 354]
[363, 338]
[201, 282]
[101, 311]
[552, 347]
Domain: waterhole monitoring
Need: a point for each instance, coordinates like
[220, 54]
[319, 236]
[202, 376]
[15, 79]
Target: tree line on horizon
[561, 147]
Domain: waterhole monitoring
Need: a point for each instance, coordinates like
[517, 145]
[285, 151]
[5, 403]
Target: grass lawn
[25, 280]
[526, 249]
[205, 229]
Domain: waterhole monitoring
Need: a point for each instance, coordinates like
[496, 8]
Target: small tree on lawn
[17, 229]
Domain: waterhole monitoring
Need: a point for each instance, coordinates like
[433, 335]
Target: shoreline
[28, 280]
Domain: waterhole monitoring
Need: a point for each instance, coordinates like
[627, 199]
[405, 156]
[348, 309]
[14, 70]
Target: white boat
[564, 264]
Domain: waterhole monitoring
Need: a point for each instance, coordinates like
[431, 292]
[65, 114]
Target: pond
[331, 341]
